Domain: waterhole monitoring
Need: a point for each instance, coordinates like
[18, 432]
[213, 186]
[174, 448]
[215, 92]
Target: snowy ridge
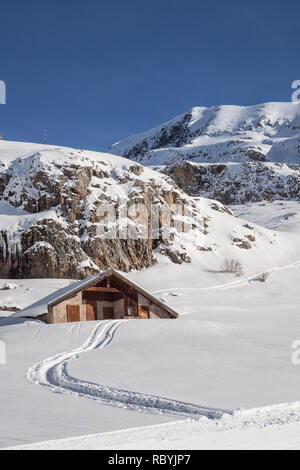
[53, 373]
[269, 131]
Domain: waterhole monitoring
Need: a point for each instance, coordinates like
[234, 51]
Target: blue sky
[94, 72]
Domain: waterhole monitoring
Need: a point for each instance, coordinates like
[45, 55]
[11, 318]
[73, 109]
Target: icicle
[3, 247]
[11, 246]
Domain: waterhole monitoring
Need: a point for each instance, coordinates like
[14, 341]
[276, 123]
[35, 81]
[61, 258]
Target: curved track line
[229, 285]
[53, 373]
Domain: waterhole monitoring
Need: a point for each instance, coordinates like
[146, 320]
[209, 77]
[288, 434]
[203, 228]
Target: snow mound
[9, 286]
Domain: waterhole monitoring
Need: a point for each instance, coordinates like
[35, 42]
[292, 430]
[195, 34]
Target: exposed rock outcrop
[238, 183]
[63, 211]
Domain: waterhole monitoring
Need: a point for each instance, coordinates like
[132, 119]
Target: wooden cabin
[105, 296]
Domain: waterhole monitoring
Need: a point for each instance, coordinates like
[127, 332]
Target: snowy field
[212, 379]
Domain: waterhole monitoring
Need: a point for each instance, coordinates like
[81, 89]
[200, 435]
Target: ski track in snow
[53, 374]
[229, 285]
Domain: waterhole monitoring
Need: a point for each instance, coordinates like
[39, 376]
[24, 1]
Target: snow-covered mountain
[49, 218]
[266, 136]
[266, 132]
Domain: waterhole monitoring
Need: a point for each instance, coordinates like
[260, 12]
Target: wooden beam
[103, 289]
[125, 305]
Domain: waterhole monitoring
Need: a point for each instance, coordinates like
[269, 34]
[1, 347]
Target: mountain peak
[220, 134]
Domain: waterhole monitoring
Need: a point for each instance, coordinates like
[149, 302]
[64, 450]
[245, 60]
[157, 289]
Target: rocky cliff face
[50, 220]
[238, 183]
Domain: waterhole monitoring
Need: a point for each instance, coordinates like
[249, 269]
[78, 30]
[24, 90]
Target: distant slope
[198, 149]
[269, 131]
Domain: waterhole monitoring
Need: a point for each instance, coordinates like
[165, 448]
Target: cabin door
[91, 311]
[73, 313]
[108, 313]
[144, 312]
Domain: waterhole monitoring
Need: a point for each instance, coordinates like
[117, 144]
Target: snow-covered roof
[41, 306]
